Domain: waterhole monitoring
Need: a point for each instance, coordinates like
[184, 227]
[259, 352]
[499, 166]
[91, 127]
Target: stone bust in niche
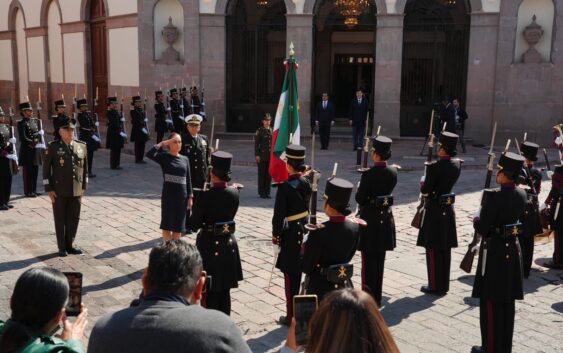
[532, 34]
[170, 34]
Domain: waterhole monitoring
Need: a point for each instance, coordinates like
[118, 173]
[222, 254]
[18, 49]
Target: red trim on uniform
[220, 185]
[337, 219]
[508, 186]
[363, 272]
[490, 328]
[556, 248]
[432, 267]
[446, 158]
[380, 164]
[288, 298]
[295, 176]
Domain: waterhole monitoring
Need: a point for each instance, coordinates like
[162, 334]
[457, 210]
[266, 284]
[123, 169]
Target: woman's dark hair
[297, 164]
[174, 134]
[39, 295]
[348, 320]
[174, 266]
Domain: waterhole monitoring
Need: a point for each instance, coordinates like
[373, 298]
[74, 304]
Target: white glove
[146, 120]
[41, 132]
[558, 140]
[95, 138]
[542, 206]
[168, 109]
[145, 131]
[549, 174]
[477, 214]
[202, 113]
[181, 106]
[12, 140]
[423, 178]
[122, 119]
[124, 135]
[97, 124]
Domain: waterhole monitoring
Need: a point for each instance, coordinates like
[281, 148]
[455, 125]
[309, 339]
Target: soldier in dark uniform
[332, 245]
[214, 214]
[88, 128]
[438, 234]
[176, 111]
[262, 147]
[60, 115]
[195, 103]
[30, 156]
[65, 176]
[139, 132]
[196, 148]
[375, 201]
[288, 223]
[554, 201]
[115, 134]
[8, 161]
[498, 281]
[160, 124]
[531, 220]
[186, 109]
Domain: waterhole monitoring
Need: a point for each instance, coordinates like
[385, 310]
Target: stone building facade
[501, 57]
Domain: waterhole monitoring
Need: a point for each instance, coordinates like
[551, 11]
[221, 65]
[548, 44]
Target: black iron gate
[435, 50]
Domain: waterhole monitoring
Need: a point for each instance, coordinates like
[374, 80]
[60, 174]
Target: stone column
[213, 67]
[481, 73]
[300, 32]
[388, 65]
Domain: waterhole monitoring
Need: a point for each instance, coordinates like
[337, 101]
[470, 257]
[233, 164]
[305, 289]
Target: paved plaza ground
[120, 223]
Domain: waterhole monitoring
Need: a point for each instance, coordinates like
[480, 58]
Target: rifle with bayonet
[467, 261]
[122, 120]
[14, 168]
[312, 225]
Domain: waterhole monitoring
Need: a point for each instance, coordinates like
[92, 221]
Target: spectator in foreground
[347, 320]
[38, 308]
[168, 318]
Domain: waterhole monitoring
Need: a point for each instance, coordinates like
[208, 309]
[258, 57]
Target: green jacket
[263, 143]
[65, 169]
[48, 344]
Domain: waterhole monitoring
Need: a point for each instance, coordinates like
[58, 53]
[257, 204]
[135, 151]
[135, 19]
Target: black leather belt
[509, 230]
[338, 273]
[222, 228]
[381, 201]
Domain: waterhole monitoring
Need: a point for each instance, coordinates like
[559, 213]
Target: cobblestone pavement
[120, 219]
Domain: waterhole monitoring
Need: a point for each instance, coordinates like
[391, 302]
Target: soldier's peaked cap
[66, 122]
[448, 140]
[511, 163]
[529, 150]
[25, 106]
[81, 102]
[267, 116]
[337, 193]
[221, 161]
[381, 144]
[135, 99]
[60, 103]
[294, 151]
[193, 119]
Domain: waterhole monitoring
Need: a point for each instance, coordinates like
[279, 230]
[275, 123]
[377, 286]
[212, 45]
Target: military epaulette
[81, 142]
[358, 221]
[52, 142]
[430, 163]
[396, 166]
[461, 161]
[237, 186]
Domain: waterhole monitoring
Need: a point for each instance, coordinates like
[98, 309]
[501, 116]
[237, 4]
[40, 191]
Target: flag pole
[290, 90]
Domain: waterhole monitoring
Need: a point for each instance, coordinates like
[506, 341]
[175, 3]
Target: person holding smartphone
[38, 309]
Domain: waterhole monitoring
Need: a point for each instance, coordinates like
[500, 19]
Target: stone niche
[168, 32]
[534, 31]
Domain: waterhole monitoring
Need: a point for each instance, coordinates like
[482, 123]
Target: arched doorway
[256, 39]
[434, 65]
[344, 56]
[98, 58]
[21, 63]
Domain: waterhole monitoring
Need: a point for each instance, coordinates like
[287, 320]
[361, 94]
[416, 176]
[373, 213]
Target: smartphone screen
[75, 293]
[304, 307]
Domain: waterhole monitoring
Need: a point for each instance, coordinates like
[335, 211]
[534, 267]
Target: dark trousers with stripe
[90, 160]
[292, 284]
[114, 157]
[497, 326]
[139, 150]
[527, 246]
[66, 211]
[29, 174]
[373, 264]
[438, 265]
[5, 188]
[264, 178]
[219, 301]
[558, 248]
[189, 212]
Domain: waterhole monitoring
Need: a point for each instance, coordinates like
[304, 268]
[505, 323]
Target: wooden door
[99, 55]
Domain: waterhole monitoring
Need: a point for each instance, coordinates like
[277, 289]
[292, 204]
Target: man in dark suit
[359, 108]
[168, 317]
[460, 115]
[447, 115]
[324, 119]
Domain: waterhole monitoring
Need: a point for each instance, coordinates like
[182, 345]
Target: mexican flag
[286, 121]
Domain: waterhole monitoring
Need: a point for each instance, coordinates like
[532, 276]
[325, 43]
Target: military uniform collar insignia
[220, 185]
[337, 219]
[509, 186]
[380, 164]
[446, 158]
[295, 176]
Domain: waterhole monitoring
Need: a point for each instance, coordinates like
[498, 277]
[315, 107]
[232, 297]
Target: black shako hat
[381, 145]
[111, 100]
[448, 141]
[337, 194]
[529, 150]
[157, 93]
[81, 102]
[66, 122]
[173, 90]
[136, 99]
[511, 163]
[60, 103]
[25, 106]
[295, 152]
[221, 163]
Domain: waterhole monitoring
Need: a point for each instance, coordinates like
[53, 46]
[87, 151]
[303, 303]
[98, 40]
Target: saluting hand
[52, 196]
